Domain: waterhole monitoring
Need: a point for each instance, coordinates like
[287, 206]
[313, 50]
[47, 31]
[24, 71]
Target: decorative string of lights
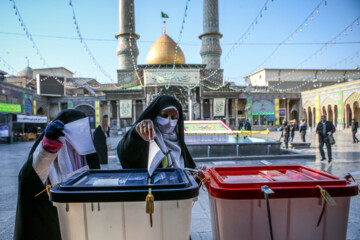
[319, 52]
[292, 35]
[178, 42]
[241, 39]
[8, 66]
[345, 60]
[29, 36]
[82, 41]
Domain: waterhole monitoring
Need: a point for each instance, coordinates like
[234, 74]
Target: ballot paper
[155, 157]
[78, 134]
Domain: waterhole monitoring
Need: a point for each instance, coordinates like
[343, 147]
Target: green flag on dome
[164, 15]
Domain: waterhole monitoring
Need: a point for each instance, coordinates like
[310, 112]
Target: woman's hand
[145, 129]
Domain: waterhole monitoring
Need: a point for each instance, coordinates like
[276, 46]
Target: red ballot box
[302, 203]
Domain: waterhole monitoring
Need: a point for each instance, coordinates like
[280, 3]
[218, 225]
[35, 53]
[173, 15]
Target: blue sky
[53, 30]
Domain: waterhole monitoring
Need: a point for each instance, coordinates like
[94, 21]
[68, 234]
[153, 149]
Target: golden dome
[163, 51]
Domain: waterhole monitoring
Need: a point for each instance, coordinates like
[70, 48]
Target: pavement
[346, 157]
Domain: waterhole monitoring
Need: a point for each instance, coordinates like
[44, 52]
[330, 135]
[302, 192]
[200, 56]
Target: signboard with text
[10, 108]
[178, 77]
[282, 112]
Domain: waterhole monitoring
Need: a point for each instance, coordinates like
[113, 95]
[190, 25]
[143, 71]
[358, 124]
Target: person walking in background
[285, 133]
[241, 124]
[354, 129]
[325, 129]
[247, 125]
[108, 130]
[293, 127]
[303, 129]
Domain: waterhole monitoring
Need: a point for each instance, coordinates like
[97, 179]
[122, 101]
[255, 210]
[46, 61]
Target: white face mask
[166, 125]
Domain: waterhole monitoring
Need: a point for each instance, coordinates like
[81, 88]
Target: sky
[52, 28]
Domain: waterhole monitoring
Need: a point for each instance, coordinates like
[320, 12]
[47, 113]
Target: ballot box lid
[286, 181]
[125, 185]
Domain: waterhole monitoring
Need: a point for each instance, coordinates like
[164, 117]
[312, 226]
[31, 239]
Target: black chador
[133, 150]
[36, 217]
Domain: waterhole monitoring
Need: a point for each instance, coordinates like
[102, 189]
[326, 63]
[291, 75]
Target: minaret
[210, 49]
[127, 50]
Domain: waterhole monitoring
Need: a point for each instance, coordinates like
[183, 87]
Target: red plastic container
[239, 210]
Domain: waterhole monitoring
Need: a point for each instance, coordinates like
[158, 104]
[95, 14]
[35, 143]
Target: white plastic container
[112, 211]
[239, 210]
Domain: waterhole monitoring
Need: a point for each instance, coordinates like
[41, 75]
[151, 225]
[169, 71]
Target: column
[277, 110]
[143, 104]
[301, 112]
[109, 111]
[288, 109]
[334, 117]
[227, 111]
[201, 109]
[340, 110]
[307, 117]
[190, 104]
[127, 50]
[59, 106]
[210, 50]
[211, 109]
[236, 114]
[134, 110]
[118, 114]
[346, 116]
[317, 109]
[97, 113]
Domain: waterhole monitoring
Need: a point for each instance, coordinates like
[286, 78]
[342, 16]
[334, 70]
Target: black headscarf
[36, 217]
[151, 112]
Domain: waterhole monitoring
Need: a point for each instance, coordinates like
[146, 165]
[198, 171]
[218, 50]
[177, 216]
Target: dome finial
[164, 27]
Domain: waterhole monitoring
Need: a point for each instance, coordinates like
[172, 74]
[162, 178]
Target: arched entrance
[41, 111]
[348, 116]
[356, 108]
[330, 114]
[310, 117]
[89, 112]
[335, 115]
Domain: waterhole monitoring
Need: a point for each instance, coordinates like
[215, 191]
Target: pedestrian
[285, 133]
[303, 129]
[325, 129]
[247, 125]
[241, 124]
[293, 127]
[354, 129]
[163, 122]
[50, 161]
[108, 130]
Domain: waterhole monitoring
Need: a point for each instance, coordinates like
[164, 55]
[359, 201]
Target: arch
[354, 97]
[89, 111]
[41, 111]
[329, 101]
[310, 117]
[356, 109]
[335, 115]
[308, 103]
[330, 114]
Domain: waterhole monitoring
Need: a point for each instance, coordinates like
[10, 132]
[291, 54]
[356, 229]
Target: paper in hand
[155, 157]
[78, 134]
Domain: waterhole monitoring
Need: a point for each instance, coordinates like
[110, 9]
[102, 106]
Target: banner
[30, 119]
[126, 108]
[10, 108]
[178, 77]
[97, 114]
[4, 131]
[219, 107]
[282, 112]
[263, 107]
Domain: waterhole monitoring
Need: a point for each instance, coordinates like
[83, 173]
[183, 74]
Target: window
[3, 99]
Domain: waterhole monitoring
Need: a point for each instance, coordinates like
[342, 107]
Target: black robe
[36, 217]
[133, 151]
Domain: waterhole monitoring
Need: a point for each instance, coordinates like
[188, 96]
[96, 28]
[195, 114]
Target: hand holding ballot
[145, 129]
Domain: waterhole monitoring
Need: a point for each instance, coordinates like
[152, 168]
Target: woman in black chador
[163, 121]
[50, 160]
